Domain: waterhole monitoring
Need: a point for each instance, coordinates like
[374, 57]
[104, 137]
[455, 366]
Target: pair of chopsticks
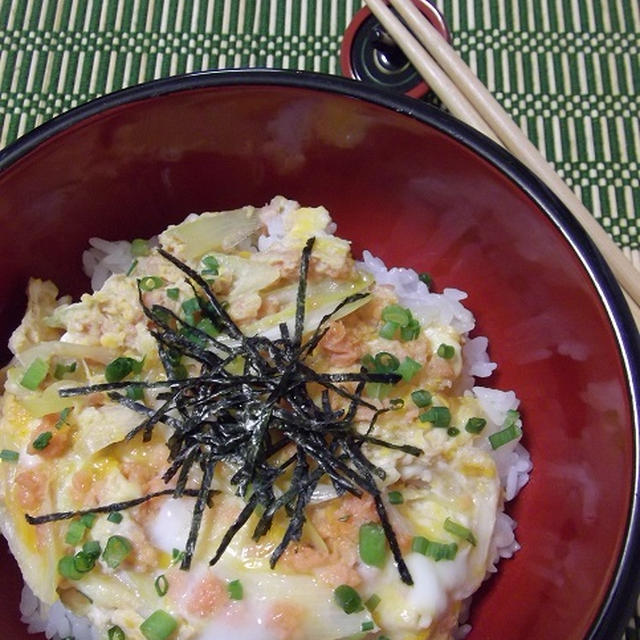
[462, 92]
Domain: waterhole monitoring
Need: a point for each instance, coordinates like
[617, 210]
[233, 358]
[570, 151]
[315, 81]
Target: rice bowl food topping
[243, 430]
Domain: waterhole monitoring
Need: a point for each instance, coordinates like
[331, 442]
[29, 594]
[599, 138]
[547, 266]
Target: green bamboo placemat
[568, 71]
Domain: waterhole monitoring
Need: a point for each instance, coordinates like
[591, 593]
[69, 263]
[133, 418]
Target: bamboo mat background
[567, 71]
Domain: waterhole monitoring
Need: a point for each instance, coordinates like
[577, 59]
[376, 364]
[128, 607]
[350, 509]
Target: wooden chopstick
[440, 60]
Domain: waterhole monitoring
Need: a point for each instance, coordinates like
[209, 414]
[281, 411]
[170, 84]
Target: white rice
[512, 460]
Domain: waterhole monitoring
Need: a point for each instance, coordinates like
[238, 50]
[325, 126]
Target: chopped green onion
[235, 590]
[150, 283]
[88, 519]
[475, 425]
[368, 362]
[459, 530]
[386, 362]
[511, 418]
[396, 403]
[42, 441]
[421, 398]
[205, 325]
[115, 517]
[61, 369]
[437, 416]
[453, 431]
[62, 418]
[388, 330]
[67, 569]
[379, 390]
[408, 368]
[512, 432]
[158, 626]
[9, 456]
[76, 531]
[436, 550]
[115, 633]
[35, 374]
[446, 351]
[411, 331]
[426, 278]
[176, 556]
[212, 266]
[367, 626]
[116, 550]
[372, 544]
[162, 585]
[372, 602]
[173, 293]
[190, 307]
[121, 367]
[139, 247]
[92, 548]
[132, 267]
[395, 497]
[348, 599]
[135, 393]
[83, 562]
[396, 314]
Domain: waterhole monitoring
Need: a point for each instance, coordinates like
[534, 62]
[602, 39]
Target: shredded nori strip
[246, 419]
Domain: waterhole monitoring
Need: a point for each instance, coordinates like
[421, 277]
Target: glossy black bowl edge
[620, 602]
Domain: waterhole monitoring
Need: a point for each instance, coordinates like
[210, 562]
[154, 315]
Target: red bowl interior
[416, 197]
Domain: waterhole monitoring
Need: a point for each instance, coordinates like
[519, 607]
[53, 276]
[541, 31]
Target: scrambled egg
[69, 454]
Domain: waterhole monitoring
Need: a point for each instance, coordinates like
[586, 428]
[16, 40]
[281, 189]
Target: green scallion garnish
[132, 267]
[388, 330]
[75, 533]
[459, 530]
[121, 367]
[61, 369]
[42, 440]
[35, 374]
[395, 497]
[436, 550]
[235, 590]
[173, 293]
[386, 362]
[83, 562]
[67, 569]
[92, 548]
[212, 266]
[348, 599]
[396, 314]
[88, 519]
[421, 398]
[116, 550]
[62, 418]
[7, 455]
[475, 425]
[512, 432]
[408, 368]
[115, 517]
[438, 416]
[372, 544]
[446, 351]
[115, 633]
[150, 283]
[135, 393]
[158, 626]
[372, 602]
[411, 331]
[453, 431]
[367, 626]
[161, 585]
[139, 248]
[426, 278]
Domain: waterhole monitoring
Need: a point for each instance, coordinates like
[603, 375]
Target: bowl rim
[617, 607]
